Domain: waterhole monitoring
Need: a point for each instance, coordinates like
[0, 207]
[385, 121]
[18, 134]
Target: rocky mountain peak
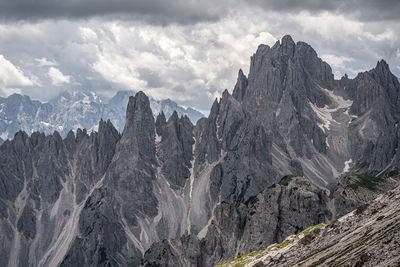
[288, 46]
[214, 110]
[105, 125]
[107, 131]
[161, 121]
[174, 117]
[240, 87]
[382, 65]
[138, 109]
[382, 74]
[139, 131]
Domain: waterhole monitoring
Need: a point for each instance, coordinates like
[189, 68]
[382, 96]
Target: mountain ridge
[73, 110]
[105, 198]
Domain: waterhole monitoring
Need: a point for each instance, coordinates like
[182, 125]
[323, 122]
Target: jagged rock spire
[139, 129]
[240, 87]
[138, 110]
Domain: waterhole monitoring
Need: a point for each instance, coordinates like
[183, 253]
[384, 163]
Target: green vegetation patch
[308, 230]
[366, 181]
[244, 259]
[281, 245]
[286, 180]
[380, 218]
[240, 261]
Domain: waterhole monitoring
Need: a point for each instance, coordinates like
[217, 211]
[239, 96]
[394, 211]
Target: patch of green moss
[255, 253]
[240, 261]
[366, 181]
[308, 230]
[281, 245]
[286, 180]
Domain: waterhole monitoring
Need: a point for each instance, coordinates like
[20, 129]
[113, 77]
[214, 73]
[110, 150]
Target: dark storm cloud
[156, 11]
[182, 11]
[365, 10]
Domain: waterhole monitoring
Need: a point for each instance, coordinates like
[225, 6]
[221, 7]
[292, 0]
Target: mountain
[73, 110]
[368, 236]
[284, 209]
[116, 109]
[167, 192]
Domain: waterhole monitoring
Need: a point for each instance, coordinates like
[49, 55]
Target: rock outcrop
[368, 236]
[284, 209]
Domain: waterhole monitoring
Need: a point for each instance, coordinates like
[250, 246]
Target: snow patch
[339, 100]
[157, 138]
[4, 135]
[278, 111]
[324, 114]
[347, 165]
[95, 128]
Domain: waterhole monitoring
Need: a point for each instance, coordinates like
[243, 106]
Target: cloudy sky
[186, 50]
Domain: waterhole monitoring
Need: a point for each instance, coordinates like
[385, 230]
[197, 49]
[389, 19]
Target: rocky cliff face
[197, 195]
[46, 182]
[368, 236]
[374, 130]
[284, 209]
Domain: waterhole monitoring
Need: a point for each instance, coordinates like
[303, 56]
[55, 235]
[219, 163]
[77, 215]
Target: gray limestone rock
[240, 88]
[184, 251]
[367, 238]
[211, 191]
[277, 212]
[175, 148]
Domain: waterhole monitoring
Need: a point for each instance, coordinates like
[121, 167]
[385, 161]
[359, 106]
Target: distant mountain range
[73, 110]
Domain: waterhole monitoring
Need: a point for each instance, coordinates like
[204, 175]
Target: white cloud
[336, 61]
[11, 75]
[188, 63]
[57, 77]
[88, 34]
[44, 62]
[117, 69]
[340, 65]
[328, 25]
[193, 64]
[387, 35]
